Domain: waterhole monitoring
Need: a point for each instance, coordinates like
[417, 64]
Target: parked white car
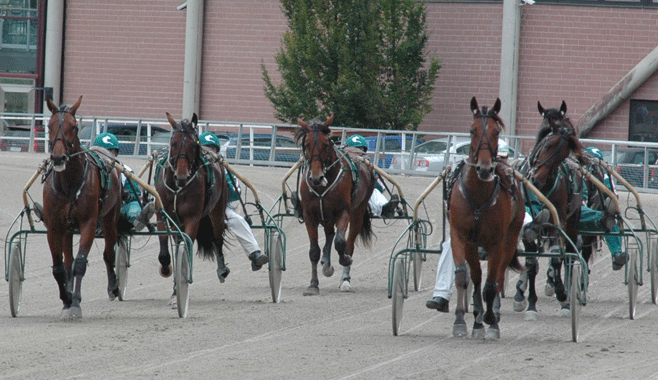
[431, 155]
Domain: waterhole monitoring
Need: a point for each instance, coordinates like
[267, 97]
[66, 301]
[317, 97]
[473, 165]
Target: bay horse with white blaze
[486, 209]
[195, 193]
[334, 192]
[79, 191]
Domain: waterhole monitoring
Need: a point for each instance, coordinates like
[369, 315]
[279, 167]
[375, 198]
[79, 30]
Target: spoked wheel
[275, 265]
[417, 258]
[122, 263]
[398, 294]
[652, 248]
[15, 279]
[182, 275]
[632, 277]
[575, 292]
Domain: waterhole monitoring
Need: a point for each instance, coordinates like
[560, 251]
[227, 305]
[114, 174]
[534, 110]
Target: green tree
[363, 60]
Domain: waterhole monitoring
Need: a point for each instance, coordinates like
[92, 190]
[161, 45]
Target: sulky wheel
[275, 264]
[182, 271]
[398, 294]
[122, 263]
[15, 279]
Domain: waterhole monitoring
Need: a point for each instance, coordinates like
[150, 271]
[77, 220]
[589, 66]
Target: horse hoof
[345, 286]
[75, 312]
[113, 294]
[173, 302]
[478, 334]
[493, 334]
[520, 306]
[345, 260]
[165, 272]
[65, 313]
[328, 270]
[549, 290]
[459, 330]
[312, 291]
[565, 312]
[222, 273]
[530, 316]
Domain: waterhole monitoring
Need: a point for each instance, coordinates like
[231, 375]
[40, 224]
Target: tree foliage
[363, 60]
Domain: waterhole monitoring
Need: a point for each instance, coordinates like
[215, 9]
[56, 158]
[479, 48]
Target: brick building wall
[129, 60]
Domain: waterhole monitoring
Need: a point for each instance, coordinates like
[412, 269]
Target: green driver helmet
[209, 139]
[107, 140]
[357, 141]
[596, 152]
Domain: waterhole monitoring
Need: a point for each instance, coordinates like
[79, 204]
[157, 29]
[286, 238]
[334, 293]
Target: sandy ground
[234, 331]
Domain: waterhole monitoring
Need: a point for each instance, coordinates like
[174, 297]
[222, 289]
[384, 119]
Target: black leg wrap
[59, 272]
[80, 266]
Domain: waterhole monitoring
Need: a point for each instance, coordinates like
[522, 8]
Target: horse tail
[204, 239]
[366, 233]
[515, 264]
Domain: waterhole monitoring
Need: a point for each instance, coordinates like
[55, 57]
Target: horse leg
[560, 291]
[344, 254]
[327, 269]
[532, 268]
[345, 285]
[164, 257]
[222, 270]
[490, 317]
[314, 254]
[87, 232]
[459, 328]
[111, 237]
[59, 270]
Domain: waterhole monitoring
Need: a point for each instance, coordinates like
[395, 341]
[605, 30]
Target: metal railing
[259, 144]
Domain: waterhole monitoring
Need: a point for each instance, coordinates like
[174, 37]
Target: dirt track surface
[234, 331]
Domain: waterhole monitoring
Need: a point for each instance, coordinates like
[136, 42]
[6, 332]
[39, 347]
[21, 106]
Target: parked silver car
[431, 155]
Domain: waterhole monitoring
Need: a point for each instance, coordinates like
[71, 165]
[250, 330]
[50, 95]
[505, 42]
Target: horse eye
[472, 131]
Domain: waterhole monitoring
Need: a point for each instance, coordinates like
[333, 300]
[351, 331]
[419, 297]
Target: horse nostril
[478, 168]
[491, 169]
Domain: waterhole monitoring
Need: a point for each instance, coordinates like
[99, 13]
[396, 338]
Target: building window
[643, 123]
[18, 36]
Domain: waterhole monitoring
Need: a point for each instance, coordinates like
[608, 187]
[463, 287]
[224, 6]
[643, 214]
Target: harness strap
[472, 235]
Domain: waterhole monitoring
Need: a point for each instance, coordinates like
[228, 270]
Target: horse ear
[474, 106]
[172, 121]
[540, 108]
[563, 108]
[496, 108]
[76, 105]
[330, 120]
[195, 118]
[51, 105]
[302, 124]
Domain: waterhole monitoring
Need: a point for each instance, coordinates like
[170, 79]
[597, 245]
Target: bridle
[316, 154]
[536, 163]
[69, 146]
[481, 144]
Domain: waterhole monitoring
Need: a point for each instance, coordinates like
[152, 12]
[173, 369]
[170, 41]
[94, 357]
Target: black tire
[182, 275]
[575, 299]
[632, 277]
[122, 264]
[15, 279]
[275, 264]
[398, 295]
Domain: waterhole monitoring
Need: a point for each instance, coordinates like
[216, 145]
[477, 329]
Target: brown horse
[556, 140]
[194, 194]
[486, 210]
[78, 192]
[334, 192]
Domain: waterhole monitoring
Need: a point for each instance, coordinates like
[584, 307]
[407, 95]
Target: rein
[325, 169]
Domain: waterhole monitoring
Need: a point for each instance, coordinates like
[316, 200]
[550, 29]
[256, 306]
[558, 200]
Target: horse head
[552, 150]
[184, 149]
[485, 129]
[317, 148]
[63, 132]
